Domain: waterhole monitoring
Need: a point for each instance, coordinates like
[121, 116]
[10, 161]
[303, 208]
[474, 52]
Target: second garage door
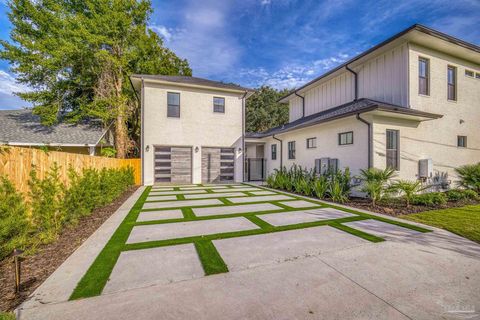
[218, 164]
[173, 165]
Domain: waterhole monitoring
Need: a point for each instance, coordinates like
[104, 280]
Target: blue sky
[281, 43]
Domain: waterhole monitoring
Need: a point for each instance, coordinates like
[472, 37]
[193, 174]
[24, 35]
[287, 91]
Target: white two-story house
[411, 103]
[192, 129]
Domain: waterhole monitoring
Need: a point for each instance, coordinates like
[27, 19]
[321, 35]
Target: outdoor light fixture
[196, 149]
[239, 149]
[17, 260]
[147, 148]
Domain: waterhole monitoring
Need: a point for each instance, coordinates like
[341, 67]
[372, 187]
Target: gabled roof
[345, 110]
[195, 81]
[426, 31]
[21, 127]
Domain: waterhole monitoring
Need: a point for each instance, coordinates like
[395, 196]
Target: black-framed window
[462, 141]
[291, 150]
[470, 73]
[423, 76]
[345, 138]
[173, 101]
[393, 152]
[452, 83]
[311, 143]
[274, 151]
[218, 104]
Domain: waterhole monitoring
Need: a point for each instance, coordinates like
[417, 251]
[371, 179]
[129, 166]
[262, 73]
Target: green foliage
[263, 111]
[320, 187]
[469, 176]
[7, 315]
[13, 218]
[461, 194]
[430, 199]
[337, 192]
[108, 152]
[375, 182]
[46, 197]
[407, 189]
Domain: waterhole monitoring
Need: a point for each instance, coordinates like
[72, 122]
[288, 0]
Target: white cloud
[8, 84]
[163, 31]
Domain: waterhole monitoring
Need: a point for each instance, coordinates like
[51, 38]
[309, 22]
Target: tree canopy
[76, 55]
[263, 111]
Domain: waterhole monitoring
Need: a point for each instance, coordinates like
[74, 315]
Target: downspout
[369, 142]
[355, 77]
[303, 103]
[243, 135]
[281, 151]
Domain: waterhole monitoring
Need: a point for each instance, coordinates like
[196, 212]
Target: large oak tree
[263, 111]
[76, 56]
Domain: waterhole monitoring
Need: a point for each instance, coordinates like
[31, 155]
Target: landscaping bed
[37, 267]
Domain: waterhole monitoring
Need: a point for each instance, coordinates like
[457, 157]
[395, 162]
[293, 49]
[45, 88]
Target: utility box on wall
[425, 168]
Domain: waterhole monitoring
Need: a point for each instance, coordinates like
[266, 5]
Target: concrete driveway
[243, 252]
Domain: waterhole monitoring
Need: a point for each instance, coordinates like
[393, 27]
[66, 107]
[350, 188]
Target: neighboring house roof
[21, 127]
[416, 27]
[348, 109]
[192, 81]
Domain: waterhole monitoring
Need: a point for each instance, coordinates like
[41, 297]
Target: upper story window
[462, 141]
[218, 105]
[274, 151]
[311, 143]
[173, 108]
[423, 76]
[452, 83]
[291, 150]
[469, 73]
[345, 138]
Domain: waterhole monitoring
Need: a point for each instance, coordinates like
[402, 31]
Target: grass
[96, 277]
[7, 316]
[464, 221]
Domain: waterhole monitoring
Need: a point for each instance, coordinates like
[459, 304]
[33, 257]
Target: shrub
[459, 194]
[13, 218]
[430, 199]
[469, 176]
[407, 189]
[375, 182]
[320, 187]
[337, 192]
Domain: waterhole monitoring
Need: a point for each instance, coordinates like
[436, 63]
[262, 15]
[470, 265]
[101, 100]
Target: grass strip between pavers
[211, 260]
[94, 280]
[356, 232]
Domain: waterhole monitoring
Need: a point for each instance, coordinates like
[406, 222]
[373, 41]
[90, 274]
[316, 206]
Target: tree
[263, 111]
[375, 182]
[77, 55]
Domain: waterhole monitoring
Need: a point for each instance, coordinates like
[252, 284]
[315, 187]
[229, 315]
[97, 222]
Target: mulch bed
[37, 267]
[399, 208]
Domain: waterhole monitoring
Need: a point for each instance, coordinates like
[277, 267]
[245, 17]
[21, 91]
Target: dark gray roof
[342, 111]
[21, 126]
[194, 81]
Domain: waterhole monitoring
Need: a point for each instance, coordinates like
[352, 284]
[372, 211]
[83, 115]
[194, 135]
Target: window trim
[179, 103]
[427, 75]
[455, 82]
[469, 71]
[397, 168]
[273, 151]
[315, 142]
[340, 139]
[291, 151]
[465, 142]
[223, 98]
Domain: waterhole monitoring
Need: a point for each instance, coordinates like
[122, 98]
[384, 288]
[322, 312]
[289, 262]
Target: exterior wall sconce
[196, 149]
[239, 150]
[147, 148]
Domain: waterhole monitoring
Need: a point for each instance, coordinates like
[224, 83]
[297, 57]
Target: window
[423, 76]
[311, 143]
[173, 109]
[291, 150]
[461, 141]
[452, 83]
[469, 73]
[345, 138]
[218, 105]
[274, 152]
[393, 159]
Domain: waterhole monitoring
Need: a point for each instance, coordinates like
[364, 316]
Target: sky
[280, 43]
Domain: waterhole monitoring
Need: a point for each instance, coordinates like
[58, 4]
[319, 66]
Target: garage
[173, 165]
[218, 164]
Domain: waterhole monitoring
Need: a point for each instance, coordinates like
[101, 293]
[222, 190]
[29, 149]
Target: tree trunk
[121, 136]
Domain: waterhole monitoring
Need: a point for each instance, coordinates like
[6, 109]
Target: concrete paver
[300, 204]
[381, 229]
[260, 198]
[257, 207]
[294, 217]
[180, 203]
[160, 215]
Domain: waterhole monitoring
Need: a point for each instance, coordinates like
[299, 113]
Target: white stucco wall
[198, 126]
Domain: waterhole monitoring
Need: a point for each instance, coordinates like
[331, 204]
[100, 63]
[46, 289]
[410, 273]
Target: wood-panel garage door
[173, 165]
[218, 164]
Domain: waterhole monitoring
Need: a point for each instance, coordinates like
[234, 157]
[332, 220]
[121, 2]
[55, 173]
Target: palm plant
[469, 176]
[408, 188]
[337, 191]
[375, 182]
[320, 187]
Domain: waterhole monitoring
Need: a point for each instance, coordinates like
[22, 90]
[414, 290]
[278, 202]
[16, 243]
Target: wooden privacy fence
[16, 164]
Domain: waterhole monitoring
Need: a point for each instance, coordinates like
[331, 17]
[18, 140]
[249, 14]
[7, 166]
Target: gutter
[281, 150]
[355, 77]
[303, 103]
[369, 142]
[243, 135]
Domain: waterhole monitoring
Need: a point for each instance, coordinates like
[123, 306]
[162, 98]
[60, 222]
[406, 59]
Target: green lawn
[464, 221]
